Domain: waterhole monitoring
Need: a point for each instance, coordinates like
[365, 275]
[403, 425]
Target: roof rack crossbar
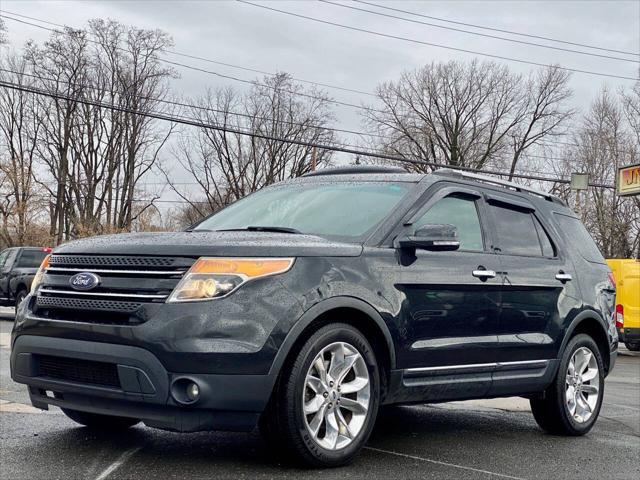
[348, 170]
[448, 172]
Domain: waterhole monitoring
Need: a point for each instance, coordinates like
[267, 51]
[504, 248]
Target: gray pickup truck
[18, 266]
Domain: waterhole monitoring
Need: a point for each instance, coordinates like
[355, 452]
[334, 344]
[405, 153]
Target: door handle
[483, 274]
[563, 277]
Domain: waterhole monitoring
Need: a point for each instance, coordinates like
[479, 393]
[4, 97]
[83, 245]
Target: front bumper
[142, 387]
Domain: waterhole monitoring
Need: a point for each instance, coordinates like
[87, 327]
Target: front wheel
[20, 296]
[326, 401]
[571, 405]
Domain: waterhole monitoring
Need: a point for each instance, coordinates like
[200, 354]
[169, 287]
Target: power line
[251, 82]
[199, 107]
[420, 42]
[523, 42]
[196, 123]
[248, 69]
[511, 32]
[209, 60]
[229, 112]
[218, 74]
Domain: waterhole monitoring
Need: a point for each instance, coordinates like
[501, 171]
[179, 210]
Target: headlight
[37, 279]
[211, 278]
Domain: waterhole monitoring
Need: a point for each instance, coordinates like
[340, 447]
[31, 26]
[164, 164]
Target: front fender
[320, 308]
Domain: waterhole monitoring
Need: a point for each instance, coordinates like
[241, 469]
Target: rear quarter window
[577, 236]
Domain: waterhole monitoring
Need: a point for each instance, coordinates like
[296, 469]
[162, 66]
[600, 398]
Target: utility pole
[579, 182]
[313, 159]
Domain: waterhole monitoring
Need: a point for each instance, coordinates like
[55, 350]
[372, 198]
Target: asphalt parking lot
[477, 439]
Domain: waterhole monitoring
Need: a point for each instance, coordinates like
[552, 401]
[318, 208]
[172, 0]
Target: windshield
[348, 211]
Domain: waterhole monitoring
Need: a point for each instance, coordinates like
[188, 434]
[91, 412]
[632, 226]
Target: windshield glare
[344, 210]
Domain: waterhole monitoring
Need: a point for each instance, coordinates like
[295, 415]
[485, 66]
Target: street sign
[579, 181]
[628, 181]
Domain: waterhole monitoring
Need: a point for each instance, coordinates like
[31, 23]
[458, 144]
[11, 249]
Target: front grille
[127, 285]
[79, 371]
[62, 303]
[110, 261]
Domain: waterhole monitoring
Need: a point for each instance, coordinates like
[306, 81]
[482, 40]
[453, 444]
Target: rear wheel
[100, 422]
[633, 346]
[571, 405]
[326, 401]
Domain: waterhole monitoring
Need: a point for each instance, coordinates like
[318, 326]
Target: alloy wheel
[582, 386]
[336, 396]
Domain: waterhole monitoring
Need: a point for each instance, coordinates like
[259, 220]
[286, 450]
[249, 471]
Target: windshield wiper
[262, 229]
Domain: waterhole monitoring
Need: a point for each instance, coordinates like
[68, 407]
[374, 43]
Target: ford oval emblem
[84, 281]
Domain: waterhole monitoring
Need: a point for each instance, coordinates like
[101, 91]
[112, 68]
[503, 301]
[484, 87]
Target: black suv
[305, 306]
[18, 266]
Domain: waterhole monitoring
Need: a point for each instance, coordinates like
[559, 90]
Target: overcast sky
[245, 35]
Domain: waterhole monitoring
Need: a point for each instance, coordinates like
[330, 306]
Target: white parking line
[437, 462]
[118, 463]
[5, 339]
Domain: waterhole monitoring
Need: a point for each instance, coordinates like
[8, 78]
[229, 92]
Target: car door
[537, 292]
[450, 308]
[6, 260]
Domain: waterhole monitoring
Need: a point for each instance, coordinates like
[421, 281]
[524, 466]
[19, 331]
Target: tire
[286, 427]
[632, 346]
[100, 422]
[20, 296]
[553, 412]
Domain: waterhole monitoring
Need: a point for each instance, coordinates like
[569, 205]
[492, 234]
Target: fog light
[193, 392]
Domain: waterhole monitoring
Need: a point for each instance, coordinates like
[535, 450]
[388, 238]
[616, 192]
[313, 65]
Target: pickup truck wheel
[571, 404]
[100, 422]
[634, 347]
[326, 400]
[20, 296]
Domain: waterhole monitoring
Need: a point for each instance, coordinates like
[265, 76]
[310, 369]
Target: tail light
[619, 316]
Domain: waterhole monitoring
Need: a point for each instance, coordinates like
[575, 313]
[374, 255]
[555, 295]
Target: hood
[215, 244]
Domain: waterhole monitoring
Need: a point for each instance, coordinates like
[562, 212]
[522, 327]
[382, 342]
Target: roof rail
[354, 169]
[448, 172]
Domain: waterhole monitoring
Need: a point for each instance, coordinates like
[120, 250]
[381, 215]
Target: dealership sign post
[628, 182]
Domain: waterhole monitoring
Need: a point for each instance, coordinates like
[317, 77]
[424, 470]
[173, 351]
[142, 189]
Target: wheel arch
[350, 310]
[592, 324]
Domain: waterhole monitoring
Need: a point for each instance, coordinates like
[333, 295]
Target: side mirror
[432, 237]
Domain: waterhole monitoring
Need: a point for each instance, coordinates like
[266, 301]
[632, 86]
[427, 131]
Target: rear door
[538, 290]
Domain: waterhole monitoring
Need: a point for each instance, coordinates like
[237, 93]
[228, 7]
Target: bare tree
[605, 142]
[226, 165]
[467, 114]
[19, 128]
[61, 66]
[95, 156]
[544, 111]
[3, 32]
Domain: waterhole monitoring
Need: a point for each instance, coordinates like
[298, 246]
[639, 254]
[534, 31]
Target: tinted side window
[577, 234]
[547, 246]
[3, 257]
[31, 258]
[460, 212]
[516, 232]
